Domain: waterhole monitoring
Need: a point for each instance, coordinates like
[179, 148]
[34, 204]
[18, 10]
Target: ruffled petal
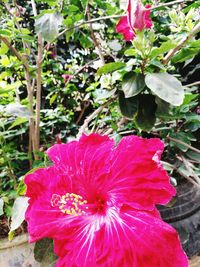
[131, 239]
[85, 163]
[137, 176]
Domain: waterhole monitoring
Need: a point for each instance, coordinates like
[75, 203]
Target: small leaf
[48, 25]
[165, 47]
[44, 252]
[1, 206]
[132, 84]
[166, 86]
[128, 106]
[17, 122]
[110, 67]
[18, 212]
[146, 118]
[130, 52]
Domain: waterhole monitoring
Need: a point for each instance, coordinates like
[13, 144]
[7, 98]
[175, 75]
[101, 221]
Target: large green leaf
[48, 25]
[166, 86]
[128, 106]
[146, 118]
[109, 67]
[132, 84]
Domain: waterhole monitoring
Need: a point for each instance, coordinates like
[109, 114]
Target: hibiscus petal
[132, 239]
[85, 162]
[124, 28]
[137, 177]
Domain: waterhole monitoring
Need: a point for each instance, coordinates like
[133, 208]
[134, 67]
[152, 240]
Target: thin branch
[192, 84]
[169, 4]
[172, 52]
[183, 143]
[92, 116]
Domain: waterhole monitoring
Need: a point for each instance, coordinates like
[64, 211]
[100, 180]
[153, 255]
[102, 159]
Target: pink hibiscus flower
[137, 18]
[97, 201]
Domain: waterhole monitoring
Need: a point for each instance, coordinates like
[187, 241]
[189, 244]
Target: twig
[92, 116]
[171, 53]
[192, 84]
[169, 4]
[183, 143]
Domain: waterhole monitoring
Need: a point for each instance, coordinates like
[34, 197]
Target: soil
[4, 228]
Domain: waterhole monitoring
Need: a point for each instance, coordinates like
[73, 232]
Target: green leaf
[130, 52]
[128, 106]
[146, 118]
[109, 67]
[44, 252]
[165, 47]
[5, 32]
[132, 84]
[17, 122]
[3, 49]
[48, 25]
[21, 188]
[166, 86]
[185, 54]
[162, 107]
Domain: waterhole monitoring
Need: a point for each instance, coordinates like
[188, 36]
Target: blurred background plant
[64, 70]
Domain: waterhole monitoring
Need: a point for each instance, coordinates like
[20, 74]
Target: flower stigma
[70, 203]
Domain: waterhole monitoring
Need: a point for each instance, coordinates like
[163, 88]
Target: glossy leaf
[128, 106]
[132, 84]
[166, 86]
[146, 118]
[110, 67]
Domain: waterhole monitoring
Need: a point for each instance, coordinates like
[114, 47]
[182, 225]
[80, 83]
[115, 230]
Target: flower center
[69, 203]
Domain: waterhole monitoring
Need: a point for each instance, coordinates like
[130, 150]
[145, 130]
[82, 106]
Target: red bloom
[98, 204]
[137, 18]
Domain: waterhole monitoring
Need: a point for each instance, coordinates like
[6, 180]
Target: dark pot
[184, 215]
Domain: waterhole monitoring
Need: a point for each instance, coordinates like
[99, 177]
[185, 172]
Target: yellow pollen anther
[69, 203]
